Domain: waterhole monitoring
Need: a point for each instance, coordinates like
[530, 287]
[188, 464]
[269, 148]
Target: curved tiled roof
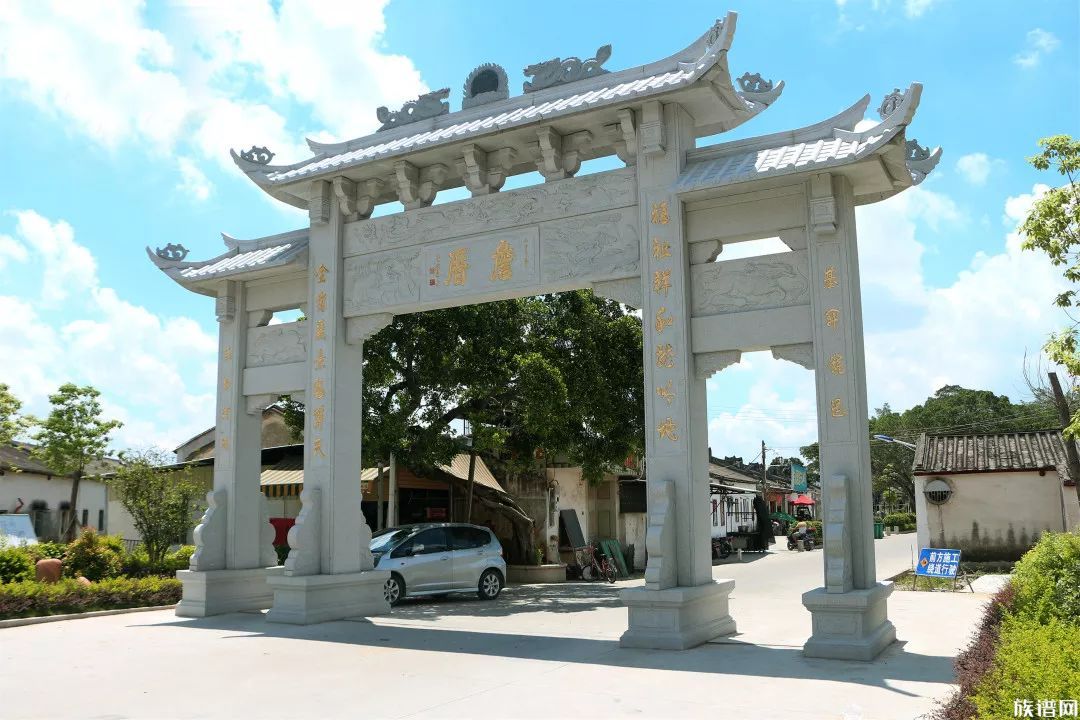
[1000, 452]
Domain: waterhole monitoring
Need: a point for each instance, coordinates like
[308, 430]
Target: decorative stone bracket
[651, 132]
[837, 541]
[799, 353]
[304, 536]
[417, 187]
[485, 172]
[623, 136]
[559, 156]
[210, 535]
[358, 199]
[708, 363]
[627, 291]
[359, 329]
[661, 570]
[255, 404]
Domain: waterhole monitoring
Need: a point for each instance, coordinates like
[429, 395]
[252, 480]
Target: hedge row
[32, 599]
[1027, 647]
[91, 555]
[902, 520]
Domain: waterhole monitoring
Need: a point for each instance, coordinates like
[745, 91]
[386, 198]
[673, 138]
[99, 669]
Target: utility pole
[764, 471]
[1065, 417]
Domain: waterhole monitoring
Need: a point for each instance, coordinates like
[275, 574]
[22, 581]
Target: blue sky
[119, 117]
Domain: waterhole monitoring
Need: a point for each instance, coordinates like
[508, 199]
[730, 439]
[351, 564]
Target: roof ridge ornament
[757, 89]
[920, 160]
[257, 155]
[558, 71]
[426, 106]
[173, 252]
[890, 103]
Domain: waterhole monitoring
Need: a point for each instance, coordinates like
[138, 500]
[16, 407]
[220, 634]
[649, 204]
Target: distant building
[992, 496]
[29, 486]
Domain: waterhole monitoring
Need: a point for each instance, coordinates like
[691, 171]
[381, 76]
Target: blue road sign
[938, 562]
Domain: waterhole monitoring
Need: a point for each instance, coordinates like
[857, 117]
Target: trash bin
[879, 530]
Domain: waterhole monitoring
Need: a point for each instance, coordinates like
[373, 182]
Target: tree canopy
[555, 375]
[11, 423]
[73, 436]
[1053, 226]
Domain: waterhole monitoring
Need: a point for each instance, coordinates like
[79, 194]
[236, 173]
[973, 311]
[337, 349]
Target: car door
[470, 555]
[424, 562]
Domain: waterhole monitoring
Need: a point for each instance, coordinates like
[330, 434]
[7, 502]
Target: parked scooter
[793, 542]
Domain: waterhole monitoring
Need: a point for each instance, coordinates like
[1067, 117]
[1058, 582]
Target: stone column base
[677, 618]
[307, 599]
[214, 592]
[849, 626]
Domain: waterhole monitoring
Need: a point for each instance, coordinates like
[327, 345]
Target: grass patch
[903, 581]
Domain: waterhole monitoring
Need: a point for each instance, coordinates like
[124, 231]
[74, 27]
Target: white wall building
[992, 496]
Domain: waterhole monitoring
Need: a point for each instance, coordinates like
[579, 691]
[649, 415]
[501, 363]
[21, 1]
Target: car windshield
[384, 542]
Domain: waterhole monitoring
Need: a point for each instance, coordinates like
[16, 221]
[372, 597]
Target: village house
[992, 495]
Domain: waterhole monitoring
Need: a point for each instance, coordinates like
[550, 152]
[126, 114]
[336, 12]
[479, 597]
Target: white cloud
[916, 8]
[224, 75]
[140, 361]
[976, 167]
[11, 249]
[192, 180]
[1039, 42]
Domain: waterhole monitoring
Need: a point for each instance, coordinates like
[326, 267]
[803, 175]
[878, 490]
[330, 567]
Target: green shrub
[31, 599]
[180, 559]
[816, 528]
[1034, 661]
[136, 563]
[904, 521]
[46, 550]
[15, 565]
[93, 556]
[1048, 579]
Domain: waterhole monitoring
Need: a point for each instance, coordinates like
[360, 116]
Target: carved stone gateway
[650, 235]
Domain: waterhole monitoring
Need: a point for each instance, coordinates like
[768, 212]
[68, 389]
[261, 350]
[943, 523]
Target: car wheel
[490, 585]
[394, 589]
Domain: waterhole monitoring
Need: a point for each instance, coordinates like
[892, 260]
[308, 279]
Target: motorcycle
[721, 547]
[793, 544]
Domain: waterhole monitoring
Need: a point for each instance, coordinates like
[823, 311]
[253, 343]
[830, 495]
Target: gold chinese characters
[318, 417]
[225, 413]
[831, 279]
[837, 409]
[663, 320]
[501, 260]
[666, 392]
[320, 329]
[226, 383]
[660, 249]
[320, 359]
[666, 430]
[320, 301]
[319, 390]
[320, 273]
[836, 364]
[661, 281]
[225, 443]
[316, 448]
[832, 317]
[659, 215]
[665, 356]
[227, 353]
[459, 264]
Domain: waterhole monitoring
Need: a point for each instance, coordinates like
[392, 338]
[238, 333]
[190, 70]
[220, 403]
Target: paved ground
[537, 652]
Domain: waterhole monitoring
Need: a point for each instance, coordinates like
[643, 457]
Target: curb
[18, 622]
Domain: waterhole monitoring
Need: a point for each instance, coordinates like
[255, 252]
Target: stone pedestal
[852, 625]
[308, 599]
[213, 592]
[677, 618]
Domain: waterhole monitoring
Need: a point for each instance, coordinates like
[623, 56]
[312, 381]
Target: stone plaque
[381, 280]
[600, 246]
[757, 283]
[482, 265]
[276, 344]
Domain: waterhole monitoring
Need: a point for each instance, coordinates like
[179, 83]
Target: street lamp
[889, 439]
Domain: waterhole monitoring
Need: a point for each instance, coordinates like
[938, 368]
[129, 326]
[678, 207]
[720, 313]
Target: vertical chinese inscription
[459, 265]
[666, 430]
[320, 301]
[832, 317]
[666, 392]
[320, 329]
[226, 354]
[501, 262]
[837, 408]
[320, 359]
[320, 273]
[660, 249]
[663, 320]
[318, 414]
[831, 279]
[659, 214]
[661, 282]
[836, 364]
[665, 356]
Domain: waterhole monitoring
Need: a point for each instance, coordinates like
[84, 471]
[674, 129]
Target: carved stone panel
[374, 282]
[550, 201]
[599, 246]
[276, 344]
[757, 283]
[480, 265]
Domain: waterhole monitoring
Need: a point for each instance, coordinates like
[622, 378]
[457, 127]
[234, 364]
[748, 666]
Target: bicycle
[597, 565]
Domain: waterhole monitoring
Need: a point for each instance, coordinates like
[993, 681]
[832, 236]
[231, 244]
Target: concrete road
[537, 652]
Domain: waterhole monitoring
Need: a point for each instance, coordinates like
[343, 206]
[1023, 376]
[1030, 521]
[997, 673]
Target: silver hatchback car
[439, 558]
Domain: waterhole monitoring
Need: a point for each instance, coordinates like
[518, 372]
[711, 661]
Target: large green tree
[72, 438]
[1053, 226]
[161, 500]
[12, 424]
[555, 375]
[951, 410]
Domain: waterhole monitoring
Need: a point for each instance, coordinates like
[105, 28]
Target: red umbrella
[803, 500]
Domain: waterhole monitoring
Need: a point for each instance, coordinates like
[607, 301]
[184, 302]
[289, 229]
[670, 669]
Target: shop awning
[803, 500]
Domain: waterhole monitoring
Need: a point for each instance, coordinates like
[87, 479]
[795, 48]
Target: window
[85, 517]
[433, 541]
[101, 520]
[632, 497]
[937, 491]
[467, 538]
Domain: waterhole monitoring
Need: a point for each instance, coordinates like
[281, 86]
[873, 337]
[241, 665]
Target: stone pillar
[328, 574]
[681, 605]
[227, 571]
[850, 619]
